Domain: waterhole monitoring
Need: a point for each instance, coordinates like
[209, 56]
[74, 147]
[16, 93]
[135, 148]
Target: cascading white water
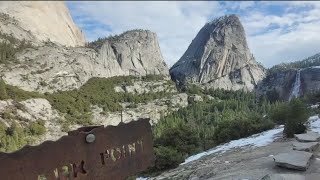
[296, 87]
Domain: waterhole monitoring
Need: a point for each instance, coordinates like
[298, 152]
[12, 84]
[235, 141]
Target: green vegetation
[231, 115]
[293, 115]
[312, 97]
[203, 125]
[15, 137]
[9, 46]
[3, 91]
[75, 105]
[297, 114]
[37, 128]
[18, 94]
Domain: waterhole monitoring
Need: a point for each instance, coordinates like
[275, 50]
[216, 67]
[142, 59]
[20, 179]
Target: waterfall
[296, 87]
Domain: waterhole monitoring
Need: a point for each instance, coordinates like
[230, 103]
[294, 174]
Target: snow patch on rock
[315, 123]
[256, 140]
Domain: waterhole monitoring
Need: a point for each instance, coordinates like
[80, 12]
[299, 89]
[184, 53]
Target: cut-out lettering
[102, 158]
[78, 169]
[112, 155]
[42, 177]
[66, 171]
[56, 173]
[123, 151]
[117, 153]
[132, 148]
[140, 142]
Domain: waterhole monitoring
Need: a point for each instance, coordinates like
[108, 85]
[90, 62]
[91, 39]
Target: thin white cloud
[295, 38]
[273, 37]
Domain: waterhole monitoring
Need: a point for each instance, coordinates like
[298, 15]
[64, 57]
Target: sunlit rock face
[39, 21]
[53, 67]
[219, 57]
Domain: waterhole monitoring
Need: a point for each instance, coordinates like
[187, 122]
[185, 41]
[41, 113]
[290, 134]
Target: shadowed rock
[307, 137]
[298, 160]
[309, 147]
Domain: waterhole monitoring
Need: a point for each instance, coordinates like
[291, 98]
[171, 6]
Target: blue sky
[277, 31]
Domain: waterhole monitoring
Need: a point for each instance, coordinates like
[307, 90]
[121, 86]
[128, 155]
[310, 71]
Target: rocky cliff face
[219, 57]
[38, 21]
[48, 66]
[53, 67]
[134, 52]
[310, 80]
[280, 83]
[283, 83]
[292, 79]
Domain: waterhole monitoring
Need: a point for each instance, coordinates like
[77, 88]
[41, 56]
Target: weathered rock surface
[281, 78]
[308, 137]
[49, 68]
[280, 83]
[52, 67]
[219, 57]
[309, 147]
[313, 176]
[284, 177]
[298, 160]
[310, 80]
[31, 110]
[245, 163]
[195, 98]
[141, 87]
[39, 21]
[153, 110]
[134, 52]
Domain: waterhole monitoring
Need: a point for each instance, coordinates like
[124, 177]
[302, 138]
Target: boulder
[308, 137]
[210, 97]
[308, 146]
[194, 98]
[298, 160]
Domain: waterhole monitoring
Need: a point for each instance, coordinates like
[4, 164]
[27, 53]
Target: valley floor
[246, 163]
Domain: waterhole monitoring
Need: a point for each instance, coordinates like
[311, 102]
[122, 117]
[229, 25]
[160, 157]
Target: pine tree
[3, 92]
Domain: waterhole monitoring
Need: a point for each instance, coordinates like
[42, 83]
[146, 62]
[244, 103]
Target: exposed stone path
[257, 163]
[298, 159]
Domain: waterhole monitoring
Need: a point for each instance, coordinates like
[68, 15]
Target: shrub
[152, 77]
[297, 115]
[279, 113]
[3, 91]
[167, 158]
[182, 138]
[37, 128]
[18, 94]
[241, 127]
[174, 145]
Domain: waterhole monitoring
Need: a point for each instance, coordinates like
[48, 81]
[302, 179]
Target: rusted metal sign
[89, 153]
